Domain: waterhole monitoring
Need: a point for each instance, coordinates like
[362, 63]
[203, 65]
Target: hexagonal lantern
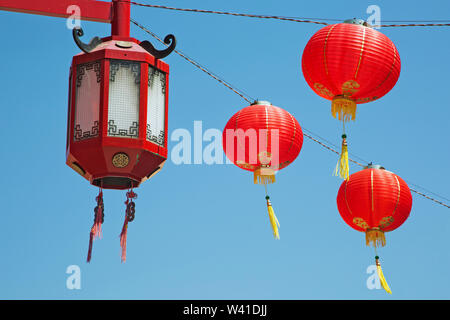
[117, 119]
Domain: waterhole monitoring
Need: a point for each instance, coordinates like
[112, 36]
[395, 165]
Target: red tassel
[96, 230]
[123, 239]
[129, 216]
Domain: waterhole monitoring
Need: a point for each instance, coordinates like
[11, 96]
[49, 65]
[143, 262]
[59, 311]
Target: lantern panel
[156, 106]
[87, 100]
[123, 106]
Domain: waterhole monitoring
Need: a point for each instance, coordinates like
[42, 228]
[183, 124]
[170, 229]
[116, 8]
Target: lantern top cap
[261, 103]
[374, 166]
[360, 22]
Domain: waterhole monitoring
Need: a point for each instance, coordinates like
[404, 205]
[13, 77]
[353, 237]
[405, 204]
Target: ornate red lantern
[350, 63]
[117, 119]
[374, 201]
[263, 139]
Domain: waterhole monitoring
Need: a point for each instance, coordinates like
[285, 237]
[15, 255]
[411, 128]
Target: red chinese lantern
[117, 119]
[350, 63]
[374, 201]
[263, 138]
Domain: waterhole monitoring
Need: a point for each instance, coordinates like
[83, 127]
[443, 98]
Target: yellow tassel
[273, 219]
[263, 176]
[343, 108]
[381, 276]
[342, 168]
[376, 237]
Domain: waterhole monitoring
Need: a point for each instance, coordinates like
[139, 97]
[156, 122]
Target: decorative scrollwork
[160, 54]
[134, 67]
[100, 206]
[77, 32]
[79, 134]
[132, 132]
[152, 137]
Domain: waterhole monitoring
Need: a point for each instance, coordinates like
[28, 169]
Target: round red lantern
[263, 139]
[374, 201]
[350, 63]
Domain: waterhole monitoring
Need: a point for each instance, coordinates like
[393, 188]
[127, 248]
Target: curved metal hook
[78, 32]
[160, 54]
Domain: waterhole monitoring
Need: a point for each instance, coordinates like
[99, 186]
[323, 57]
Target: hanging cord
[413, 25]
[129, 217]
[381, 277]
[272, 217]
[342, 169]
[227, 13]
[305, 134]
[242, 94]
[99, 218]
[290, 19]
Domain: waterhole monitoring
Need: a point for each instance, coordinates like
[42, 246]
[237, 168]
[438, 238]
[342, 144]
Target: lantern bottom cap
[118, 183]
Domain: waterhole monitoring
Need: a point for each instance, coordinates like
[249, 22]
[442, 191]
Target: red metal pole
[91, 10]
[120, 24]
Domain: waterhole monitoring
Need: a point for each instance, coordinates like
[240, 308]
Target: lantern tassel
[273, 219]
[342, 168]
[376, 237]
[263, 176]
[383, 281]
[123, 239]
[129, 216]
[343, 108]
[96, 230]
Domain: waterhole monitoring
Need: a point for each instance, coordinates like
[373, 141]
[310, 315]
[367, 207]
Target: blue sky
[202, 231]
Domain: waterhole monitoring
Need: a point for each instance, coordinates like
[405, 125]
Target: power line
[227, 13]
[241, 93]
[293, 19]
[317, 140]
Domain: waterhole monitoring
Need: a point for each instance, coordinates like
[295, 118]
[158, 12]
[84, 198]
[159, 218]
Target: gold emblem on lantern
[350, 87]
[360, 222]
[120, 160]
[265, 157]
[323, 90]
[386, 222]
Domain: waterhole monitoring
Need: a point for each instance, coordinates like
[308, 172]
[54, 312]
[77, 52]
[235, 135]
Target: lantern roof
[118, 43]
[374, 166]
[261, 103]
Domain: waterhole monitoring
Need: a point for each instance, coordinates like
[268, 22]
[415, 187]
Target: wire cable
[238, 92]
[227, 13]
[241, 93]
[292, 19]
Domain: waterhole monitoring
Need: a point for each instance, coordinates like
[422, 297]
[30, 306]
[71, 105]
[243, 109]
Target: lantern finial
[360, 22]
[86, 48]
[160, 54]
